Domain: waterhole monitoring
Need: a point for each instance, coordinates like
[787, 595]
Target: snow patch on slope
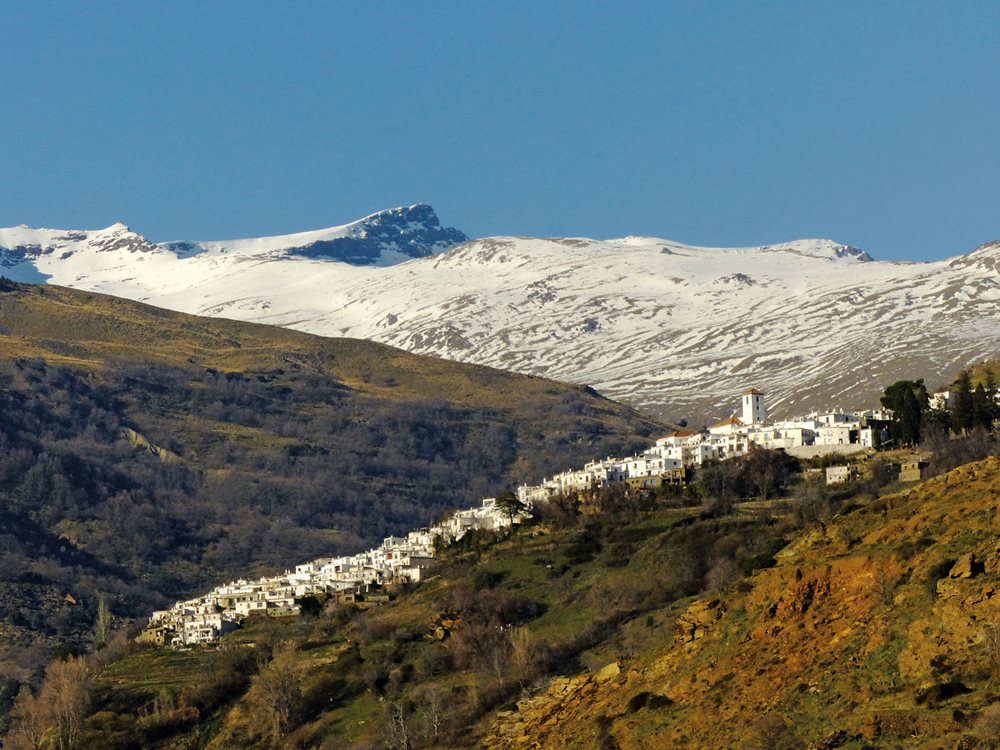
[668, 327]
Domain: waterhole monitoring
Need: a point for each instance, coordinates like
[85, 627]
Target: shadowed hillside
[146, 454]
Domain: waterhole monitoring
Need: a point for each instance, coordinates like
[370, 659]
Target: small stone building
[912, 471]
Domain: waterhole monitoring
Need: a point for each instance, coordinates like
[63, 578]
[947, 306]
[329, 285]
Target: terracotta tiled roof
[731, 421]
[679, 434]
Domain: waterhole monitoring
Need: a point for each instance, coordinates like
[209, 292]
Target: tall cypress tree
[908, 401]
[961, 403]
[991, 395]
[982, 409]
[910, 418]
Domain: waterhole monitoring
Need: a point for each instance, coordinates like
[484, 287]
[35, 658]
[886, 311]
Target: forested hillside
[146, 454]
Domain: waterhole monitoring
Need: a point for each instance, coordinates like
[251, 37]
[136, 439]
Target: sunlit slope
[879, 629]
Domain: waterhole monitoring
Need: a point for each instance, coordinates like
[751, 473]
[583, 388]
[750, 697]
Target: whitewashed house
[202, 629]
[835, 434]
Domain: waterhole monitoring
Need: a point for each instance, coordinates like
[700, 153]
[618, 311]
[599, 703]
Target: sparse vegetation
[513, 612]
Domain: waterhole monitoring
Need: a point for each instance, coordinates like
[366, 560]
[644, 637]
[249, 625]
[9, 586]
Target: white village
[407, 559]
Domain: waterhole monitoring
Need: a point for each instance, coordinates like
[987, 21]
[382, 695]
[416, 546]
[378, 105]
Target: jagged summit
[383, 238]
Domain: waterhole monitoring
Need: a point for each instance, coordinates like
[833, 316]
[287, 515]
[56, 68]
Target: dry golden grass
[92, 331]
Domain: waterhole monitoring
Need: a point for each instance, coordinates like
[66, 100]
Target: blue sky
[723, 123]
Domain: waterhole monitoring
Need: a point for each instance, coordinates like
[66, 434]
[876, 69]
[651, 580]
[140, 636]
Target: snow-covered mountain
[664, 326]
[382, 239]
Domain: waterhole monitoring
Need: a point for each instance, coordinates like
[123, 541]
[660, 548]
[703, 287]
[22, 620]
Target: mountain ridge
[662, 325]
[385, 237]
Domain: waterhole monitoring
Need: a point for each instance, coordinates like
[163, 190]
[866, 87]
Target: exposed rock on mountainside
[386, 237]
[881, 627]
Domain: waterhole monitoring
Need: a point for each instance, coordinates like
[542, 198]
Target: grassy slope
[858, 637]
[62, 325]
[585, 596]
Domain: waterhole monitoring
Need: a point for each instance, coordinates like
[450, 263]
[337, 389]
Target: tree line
[970, 407]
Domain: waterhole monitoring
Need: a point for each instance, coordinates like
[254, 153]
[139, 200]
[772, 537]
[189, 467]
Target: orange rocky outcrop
[880, 629]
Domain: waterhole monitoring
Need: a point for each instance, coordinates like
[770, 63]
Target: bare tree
[432, 700]
[885, 587]
[521, 653]
[31, 720]
[399, 736]
[772, 732]
[276, 691]
[66, 693]
[723, 574]
[497, 661]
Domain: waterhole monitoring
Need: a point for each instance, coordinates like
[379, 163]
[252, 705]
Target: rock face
[414, 232]
[696, 621]
[564, 694]
[880, 629]
[384, 238]
[140, 441]
[967, 566]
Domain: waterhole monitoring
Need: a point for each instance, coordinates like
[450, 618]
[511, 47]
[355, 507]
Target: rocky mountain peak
[846, 251]
[412, 231]
[383, 238]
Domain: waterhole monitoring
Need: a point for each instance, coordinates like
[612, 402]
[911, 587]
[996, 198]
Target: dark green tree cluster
[511, 506]
[973, 406]
[907, 399]
[761, 474]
